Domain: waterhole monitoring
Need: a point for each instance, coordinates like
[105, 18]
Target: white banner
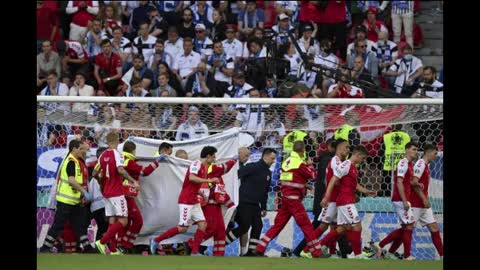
[159, 191]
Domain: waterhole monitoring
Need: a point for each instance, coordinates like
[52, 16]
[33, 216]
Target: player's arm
[418, 171]
[365, 191]
[329, 190]
[402, 169]
[71, 177]
[121, 170]
[227, 166]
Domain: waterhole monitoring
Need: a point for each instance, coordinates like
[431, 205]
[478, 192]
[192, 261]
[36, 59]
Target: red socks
[111, 233]
[197, 240]
[331, 236]
[397, 234]
[407, 242]
[356, 241]
[169, 233]
[437, 242]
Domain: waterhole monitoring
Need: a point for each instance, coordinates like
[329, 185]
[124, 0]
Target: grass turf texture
[138, 262]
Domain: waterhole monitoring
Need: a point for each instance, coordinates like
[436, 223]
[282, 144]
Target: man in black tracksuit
[255, 183]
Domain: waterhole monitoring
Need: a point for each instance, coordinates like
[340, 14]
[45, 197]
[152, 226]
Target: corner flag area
[94, 261]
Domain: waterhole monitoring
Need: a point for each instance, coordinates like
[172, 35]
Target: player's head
[359, 154]
[331, 145]
[411, 150]
[430, 152]
[269, 156]
[243, 154]
[299, 147]
[129, 147]
[166, 149]
[208, 153]
[100, 150]
[342, 148]
[112, 140]
[181, 154]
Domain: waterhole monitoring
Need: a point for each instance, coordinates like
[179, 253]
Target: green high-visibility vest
[395, 142]
[343, 132]
[290, 139]
[65, 192]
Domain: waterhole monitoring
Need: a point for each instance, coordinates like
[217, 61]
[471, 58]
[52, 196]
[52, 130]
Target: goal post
[266, 122]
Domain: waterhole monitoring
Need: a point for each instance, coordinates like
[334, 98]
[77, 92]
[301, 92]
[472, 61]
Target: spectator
[282, 28]
[361, 35]
[359, 72]
[127, 11]
[139, 16]
[140, 71]
[186, 64]
[172, 81]
[407, 70]
[187, 28]
[327, 59]
[430, 87]
[197, 84]
[256, 48]
[74, 56]
[289, 53]
[308, 44]
[290, 8]
[402, 13]
[163, 80]
[239, 88]
[169, 10]
[220, 65]
[110, 18]
[108, 69]
[164, 119]
[202, 13]
[174, 44]
[123, 47]
[94, 38]
[370, 59]
[144, 43]
[46, 61]
[250, 17]
[271, 133]
[386, 51]
[203, 45]
[160, 55]
[232, 46]
[47, 24]
[79, 88]
[374, 26]
[218, 27]
[251, 116]
[158, 25]
[309, 13]
[231, 10]
[104, 124]
[55, 88]
[83, 12]
[333, 19]
[137, 89]
[193, 128]
[342, 89]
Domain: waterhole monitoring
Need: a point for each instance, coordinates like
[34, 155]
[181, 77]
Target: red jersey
[81, 17]
[332, 166]
[334, 12]
[110, 160]
[75, 50]
[295, 178]
[103, 62]
[136, 170]
[422, 171]
[216, 192]
[404, 170]
[190, 189]
[347, 173]
[47, 18]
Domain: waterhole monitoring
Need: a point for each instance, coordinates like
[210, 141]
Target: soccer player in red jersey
[128, 234]
[112, 176]
[422, 212]
[347, 218]
[401, 202]
[188, 201]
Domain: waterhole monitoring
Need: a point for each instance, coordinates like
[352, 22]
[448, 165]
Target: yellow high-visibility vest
[343, 132]
[65, 192]
[292, 162]
[290, 139]
[394, 148]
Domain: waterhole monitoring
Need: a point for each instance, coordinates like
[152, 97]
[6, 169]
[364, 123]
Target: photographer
[108, 69]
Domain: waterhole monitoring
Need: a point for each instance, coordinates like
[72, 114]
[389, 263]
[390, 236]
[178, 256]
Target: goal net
[264, 123]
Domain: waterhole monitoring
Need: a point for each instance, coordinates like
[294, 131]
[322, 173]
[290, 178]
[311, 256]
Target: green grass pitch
[138, 262]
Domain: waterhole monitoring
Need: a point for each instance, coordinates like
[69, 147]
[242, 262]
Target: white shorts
[190, 213]
[116, 206]
[329, 214]
[347, 214]
[406, 217]
[424, 216]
